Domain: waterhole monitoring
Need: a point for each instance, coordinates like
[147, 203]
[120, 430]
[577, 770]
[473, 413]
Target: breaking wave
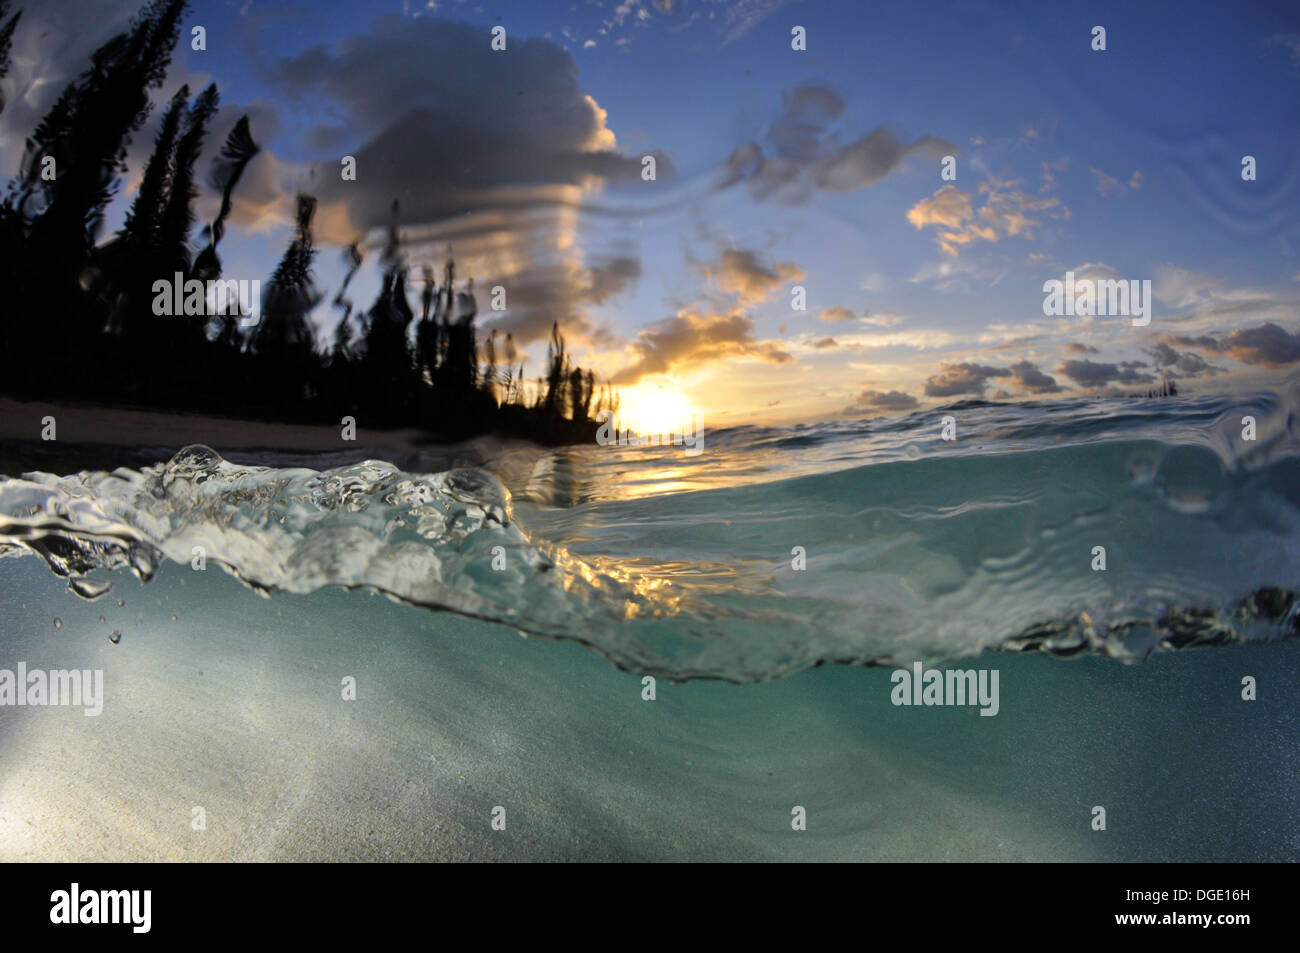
[751, 561]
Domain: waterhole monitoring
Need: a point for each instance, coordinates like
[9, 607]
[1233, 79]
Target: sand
[105, 438]
[235, 707]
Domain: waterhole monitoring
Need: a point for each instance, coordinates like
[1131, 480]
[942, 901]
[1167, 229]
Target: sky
[799, 254]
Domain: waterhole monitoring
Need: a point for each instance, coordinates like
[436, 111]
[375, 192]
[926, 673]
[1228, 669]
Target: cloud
[611, 276]
[1182, 288]
[1266, 345]
[954, 274]
[1289, 42]
[1007, 212]
[1177, 363]
[954, 379]
[836, 315]
[1106, 184]
[744, 275]
[1202, 342]
[1109, 185]
[51, 47]
[490, 156]
[868, 160]
[803, 156]
[1095, 271]
[1075, 348]
[1027, 376]
[741, 16]
[689, 339]
[882, 400]
[949, 207]
[1049, 172]
[1090, 374]
[869, 340]
[1008, 209]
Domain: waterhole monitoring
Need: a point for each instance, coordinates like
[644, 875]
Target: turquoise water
[1120, 689]
[235, 707]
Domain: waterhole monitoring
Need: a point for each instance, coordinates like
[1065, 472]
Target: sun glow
[654, 409]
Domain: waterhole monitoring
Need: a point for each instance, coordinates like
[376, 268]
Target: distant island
[89, 320]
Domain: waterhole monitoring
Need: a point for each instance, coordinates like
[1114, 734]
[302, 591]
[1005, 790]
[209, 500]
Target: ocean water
[711, 645]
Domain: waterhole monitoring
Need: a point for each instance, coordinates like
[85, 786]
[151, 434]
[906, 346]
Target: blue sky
[780, 168]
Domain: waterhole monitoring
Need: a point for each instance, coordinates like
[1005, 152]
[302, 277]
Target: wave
[1115, 545]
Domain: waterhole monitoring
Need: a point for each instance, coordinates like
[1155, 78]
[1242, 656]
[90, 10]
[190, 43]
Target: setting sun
[653, 409]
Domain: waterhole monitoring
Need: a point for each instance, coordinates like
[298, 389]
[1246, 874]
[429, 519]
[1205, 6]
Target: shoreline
[97, 437]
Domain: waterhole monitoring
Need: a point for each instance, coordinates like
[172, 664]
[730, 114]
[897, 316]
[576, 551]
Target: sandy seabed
[235, 706]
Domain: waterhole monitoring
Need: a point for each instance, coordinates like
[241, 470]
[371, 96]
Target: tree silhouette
[77, 152]
[177, 220]
[238, 150]
[291, 294]
[6, 43]
[132, 260]
[141, 228]
[116, 342]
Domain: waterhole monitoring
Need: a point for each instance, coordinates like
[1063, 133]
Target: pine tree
[87, 132]
[177, 221]
[236, 153]
[291, 294]
[140, 231]
[6, 43]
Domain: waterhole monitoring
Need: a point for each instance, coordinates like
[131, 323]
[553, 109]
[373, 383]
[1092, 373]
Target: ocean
[640, 653]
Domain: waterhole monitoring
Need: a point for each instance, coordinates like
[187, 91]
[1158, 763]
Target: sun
[653, 409]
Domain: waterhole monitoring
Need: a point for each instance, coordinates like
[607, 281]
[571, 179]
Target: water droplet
[173, 616]
[102, 619]
[121, 603]
[58, 623]
[115, 636]
[88, 588]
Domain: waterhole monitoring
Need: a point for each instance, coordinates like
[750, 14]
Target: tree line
[81, 322]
